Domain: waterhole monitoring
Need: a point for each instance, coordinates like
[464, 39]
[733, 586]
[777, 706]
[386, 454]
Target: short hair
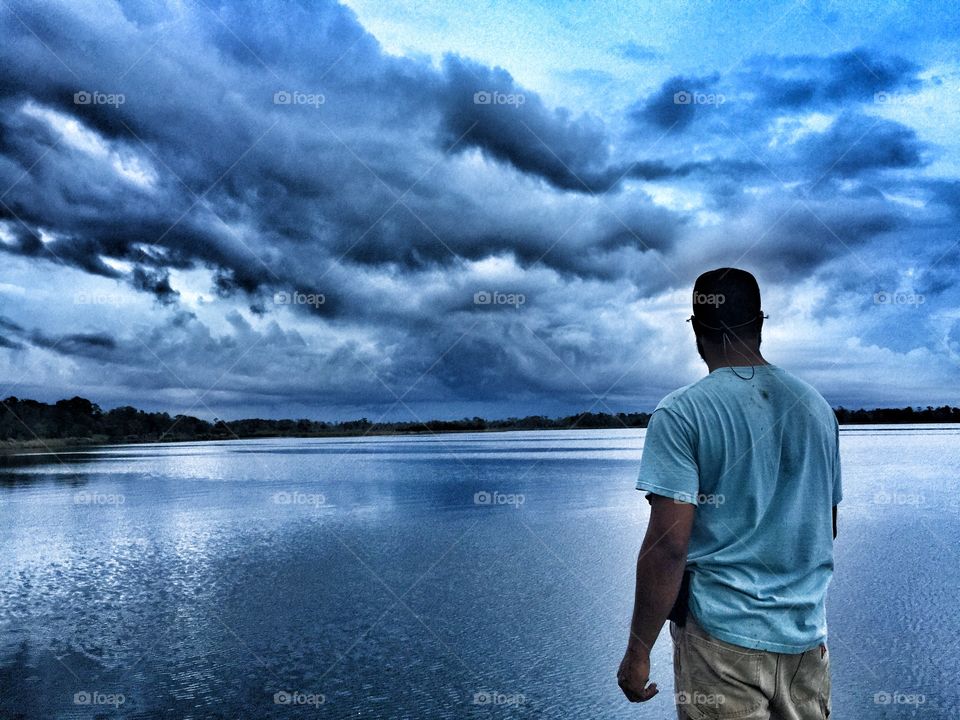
[726, 300]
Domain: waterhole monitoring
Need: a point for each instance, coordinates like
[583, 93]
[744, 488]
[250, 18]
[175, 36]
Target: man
[742, 472]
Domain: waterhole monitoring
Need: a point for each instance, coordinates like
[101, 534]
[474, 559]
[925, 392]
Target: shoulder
[682, 398]
[811, 396]
[683, 405]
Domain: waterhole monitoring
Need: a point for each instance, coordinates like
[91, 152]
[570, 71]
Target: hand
[633, 675]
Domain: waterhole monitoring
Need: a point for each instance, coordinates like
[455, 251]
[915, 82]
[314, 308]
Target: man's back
[756, 450]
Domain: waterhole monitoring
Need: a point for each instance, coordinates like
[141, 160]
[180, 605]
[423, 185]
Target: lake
[453, 576]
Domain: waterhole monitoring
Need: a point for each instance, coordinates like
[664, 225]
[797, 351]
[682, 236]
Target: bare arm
[660, 568]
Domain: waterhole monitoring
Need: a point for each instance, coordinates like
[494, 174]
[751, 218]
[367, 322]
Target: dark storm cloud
[252, 189]
[177, 118]
[402, 189]
[265, 366]
[811, 127]
[157, 283]
[946, 193]
[486, 109]
[768, 87]
[9, 328]
[792, 238]
[857, 144]
[82, 252]
[672, 107]
[96, 346]
[224, 177]
[93, 345]
[23, 241]
[9, 325]
[859, 75]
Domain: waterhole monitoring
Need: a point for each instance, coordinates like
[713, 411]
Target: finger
[648, 692]
[628, 691]
[636, 691]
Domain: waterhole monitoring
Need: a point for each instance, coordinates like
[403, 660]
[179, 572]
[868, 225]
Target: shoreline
[53, 445]
[67, 444]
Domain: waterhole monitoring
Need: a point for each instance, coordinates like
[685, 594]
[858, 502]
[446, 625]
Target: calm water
[362, 578]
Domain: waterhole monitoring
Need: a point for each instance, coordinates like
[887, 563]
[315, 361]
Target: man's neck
[736, 356]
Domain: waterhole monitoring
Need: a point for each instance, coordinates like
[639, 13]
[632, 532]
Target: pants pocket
[719, 681]
[810, 685]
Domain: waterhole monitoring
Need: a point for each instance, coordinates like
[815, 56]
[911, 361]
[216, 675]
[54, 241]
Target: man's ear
[695, 324]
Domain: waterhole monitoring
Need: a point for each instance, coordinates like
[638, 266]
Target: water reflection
[384, 577]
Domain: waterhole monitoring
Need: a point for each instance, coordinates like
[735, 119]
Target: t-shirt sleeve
[668, 465]
[837, 482]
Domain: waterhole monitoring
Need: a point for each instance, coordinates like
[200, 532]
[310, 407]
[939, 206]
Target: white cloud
[787, 130]
[126, 164]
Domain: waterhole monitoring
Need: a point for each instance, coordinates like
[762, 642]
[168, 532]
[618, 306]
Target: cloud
[637, 52]
[857, 143]
[674, 106]
[8, 328]
[795, 82]
[91, 345]
[7, 324]
[251, 160]
[486, 109]
[157, 283]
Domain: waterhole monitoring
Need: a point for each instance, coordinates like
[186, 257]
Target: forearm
[663, 557]
[659, 574]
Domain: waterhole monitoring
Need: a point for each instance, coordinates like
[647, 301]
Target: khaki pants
[715, 680]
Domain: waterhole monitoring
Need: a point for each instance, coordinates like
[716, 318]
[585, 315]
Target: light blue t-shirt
[760, 459]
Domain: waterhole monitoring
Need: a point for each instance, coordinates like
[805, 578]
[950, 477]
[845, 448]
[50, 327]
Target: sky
[436, 210]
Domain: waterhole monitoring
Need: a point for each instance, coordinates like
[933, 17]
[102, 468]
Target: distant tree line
[898, 416]
[81, 419]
